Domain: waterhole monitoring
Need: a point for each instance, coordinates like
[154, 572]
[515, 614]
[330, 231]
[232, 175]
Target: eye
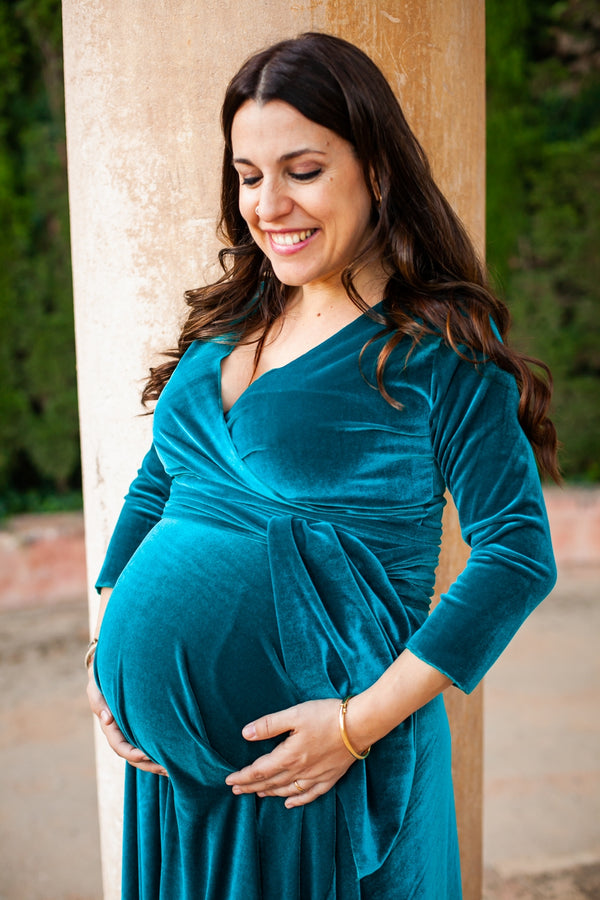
[305, 176]
[250, 180]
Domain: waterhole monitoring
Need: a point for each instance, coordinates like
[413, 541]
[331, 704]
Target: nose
[274, 202]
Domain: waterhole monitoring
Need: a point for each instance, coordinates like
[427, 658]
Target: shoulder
[466, 366]
[439, 369]
[198, 364]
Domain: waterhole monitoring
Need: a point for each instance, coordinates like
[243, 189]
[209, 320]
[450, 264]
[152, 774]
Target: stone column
[144, 82]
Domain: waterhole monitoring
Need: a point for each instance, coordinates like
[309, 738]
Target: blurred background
[543, 228]
[543, 248]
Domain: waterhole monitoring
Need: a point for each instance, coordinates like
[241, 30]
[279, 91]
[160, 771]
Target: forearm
[104, 598]
[407, 685]
[143, 507]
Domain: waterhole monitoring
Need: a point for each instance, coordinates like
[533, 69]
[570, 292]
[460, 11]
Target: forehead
[278, 128]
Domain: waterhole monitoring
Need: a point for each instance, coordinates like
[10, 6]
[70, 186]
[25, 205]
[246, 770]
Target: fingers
[115, 736]
[291, 792]
[298, 793]
[271, 725]
[280, 782]
[133, 755]
[97, 702]
[311, 755]
[279, 774]
[266, 774]
[121, 746]
[301, 798]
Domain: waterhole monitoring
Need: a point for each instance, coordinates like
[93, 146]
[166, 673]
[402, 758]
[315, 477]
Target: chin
[291, 279]
[300, 276]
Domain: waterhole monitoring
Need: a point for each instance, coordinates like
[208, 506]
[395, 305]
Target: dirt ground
[542, 809]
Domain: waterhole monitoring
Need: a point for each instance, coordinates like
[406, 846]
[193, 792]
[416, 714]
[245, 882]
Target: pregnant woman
[267, 663]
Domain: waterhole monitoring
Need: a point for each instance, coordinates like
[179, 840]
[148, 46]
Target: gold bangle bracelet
[89, 653]
[344, 735]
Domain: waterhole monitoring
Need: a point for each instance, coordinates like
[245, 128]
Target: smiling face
[313, 204]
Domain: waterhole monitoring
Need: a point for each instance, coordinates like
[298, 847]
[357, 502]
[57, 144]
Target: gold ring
[299, 788]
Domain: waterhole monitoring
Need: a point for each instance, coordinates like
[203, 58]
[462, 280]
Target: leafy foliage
[39, 448]
[544, 201]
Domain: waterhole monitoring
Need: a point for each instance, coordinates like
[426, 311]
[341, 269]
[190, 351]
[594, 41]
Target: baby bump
[189, 648]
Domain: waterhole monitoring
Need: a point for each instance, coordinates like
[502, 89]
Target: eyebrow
[285, 158]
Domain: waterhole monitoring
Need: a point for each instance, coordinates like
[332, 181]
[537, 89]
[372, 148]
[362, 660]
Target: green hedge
[39, 444]
[543, 201]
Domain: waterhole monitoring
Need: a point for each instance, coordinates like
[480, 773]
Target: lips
[290, 238]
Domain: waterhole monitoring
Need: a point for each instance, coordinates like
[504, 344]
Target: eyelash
[252, 180]
[306, 176]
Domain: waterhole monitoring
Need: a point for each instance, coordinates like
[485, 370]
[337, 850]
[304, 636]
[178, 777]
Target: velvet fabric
[286, 551]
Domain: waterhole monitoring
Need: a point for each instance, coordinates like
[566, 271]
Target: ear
[375, 189]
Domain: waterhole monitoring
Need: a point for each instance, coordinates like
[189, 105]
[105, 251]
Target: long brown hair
[437, 284]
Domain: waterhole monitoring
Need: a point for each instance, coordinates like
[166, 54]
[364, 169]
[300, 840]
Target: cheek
[362, 202]
[363, 216]
[246, 207]
[354, 223]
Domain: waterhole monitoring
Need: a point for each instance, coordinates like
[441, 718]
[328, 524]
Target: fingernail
[104, 716]
[236, 789]
[249, 731]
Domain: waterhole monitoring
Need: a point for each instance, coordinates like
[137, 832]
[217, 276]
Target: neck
[316, 299]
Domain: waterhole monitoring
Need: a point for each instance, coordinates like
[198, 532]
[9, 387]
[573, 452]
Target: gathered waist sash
[340, 626]
[406, 551]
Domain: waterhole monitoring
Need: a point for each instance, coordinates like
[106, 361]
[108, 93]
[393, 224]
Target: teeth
[291, 237]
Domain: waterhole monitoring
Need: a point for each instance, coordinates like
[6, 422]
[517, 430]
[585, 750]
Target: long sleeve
[489, 468]
[142, 509]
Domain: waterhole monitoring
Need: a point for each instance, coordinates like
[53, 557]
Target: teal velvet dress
[286, 551]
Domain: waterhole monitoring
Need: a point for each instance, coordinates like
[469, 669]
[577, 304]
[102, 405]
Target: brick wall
[42, 557]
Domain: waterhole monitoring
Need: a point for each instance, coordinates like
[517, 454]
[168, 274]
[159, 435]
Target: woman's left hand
[304, 765]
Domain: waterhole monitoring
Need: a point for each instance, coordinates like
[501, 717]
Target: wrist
[407, 685]
[353, 749]
[364, 720]
[90, 653]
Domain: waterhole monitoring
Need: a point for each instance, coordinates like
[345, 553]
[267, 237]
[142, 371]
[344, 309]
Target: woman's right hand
[113, 733]
[99, 707]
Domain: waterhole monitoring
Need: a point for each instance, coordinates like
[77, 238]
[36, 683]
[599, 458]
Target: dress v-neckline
[226, 413]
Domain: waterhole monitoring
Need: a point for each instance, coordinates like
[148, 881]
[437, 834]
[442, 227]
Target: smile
[289, 238]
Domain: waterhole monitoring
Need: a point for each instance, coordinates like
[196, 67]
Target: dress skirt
[190, 651]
